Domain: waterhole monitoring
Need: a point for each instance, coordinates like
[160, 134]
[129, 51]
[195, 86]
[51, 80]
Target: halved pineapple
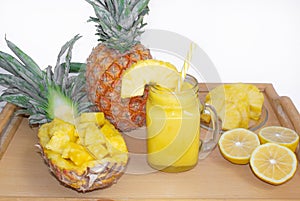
[89, 155]
[55, 96]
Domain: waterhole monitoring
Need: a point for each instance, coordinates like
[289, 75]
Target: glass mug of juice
[173, 127]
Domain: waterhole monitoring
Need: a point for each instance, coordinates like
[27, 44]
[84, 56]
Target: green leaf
[110, 4]
[68, 60]
[19, 70]
[75, 67]
[5, 59]
[126, 19]
[60, 71]
[49, 75]
[16, 99]
[102, 14]
[22, 112]
[11, 94]
[29, 63]
[8, 80]
[38, 119]
[121, 6]
[139, 7]
[84, 107]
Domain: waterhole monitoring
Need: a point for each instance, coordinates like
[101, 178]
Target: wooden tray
[24, 176]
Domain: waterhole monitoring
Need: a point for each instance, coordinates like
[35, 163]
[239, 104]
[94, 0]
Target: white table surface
[247, 40]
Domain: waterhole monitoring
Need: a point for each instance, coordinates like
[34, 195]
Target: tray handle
[291, 112]
[9, 123]
[284, 109]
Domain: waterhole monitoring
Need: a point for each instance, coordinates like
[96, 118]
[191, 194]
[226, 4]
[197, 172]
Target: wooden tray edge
[104, 199]
[284, 109]
[9, 124]
[6, 115]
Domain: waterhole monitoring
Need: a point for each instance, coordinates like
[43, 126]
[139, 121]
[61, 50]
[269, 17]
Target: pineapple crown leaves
[31, 88]
[119, 22]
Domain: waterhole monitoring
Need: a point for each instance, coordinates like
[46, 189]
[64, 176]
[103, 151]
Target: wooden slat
[6, 115]
[8, 126]
[167, 199]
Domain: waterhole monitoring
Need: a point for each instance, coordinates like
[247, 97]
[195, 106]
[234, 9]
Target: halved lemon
[236, 145]
[273, 163]
[145, 72]
[280, 135]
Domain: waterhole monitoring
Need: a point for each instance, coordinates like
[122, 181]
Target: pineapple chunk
[59, 161]
[256, 100]
[108, 130]
[98, 150]
[93, 135]
[76, 153]
[58, 142]
[236, 104]
[43, 134]
[117, 148]
[62, 126]
[230, 116]
[80, 131]
[116, 144]
[97, 117]
[243, 108]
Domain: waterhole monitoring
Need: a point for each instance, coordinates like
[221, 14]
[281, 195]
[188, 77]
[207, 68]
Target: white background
[247, 40]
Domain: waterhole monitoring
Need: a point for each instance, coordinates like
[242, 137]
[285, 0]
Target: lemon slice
[280, 135]
[145, 72]
[273, 163]
[237, 145]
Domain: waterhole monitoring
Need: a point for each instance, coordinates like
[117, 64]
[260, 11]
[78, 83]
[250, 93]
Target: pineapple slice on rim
[148, 72]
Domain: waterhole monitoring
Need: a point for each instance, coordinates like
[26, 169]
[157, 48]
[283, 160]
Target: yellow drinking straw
[186, 65]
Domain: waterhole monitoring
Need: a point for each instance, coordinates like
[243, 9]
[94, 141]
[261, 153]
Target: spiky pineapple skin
[104, 71]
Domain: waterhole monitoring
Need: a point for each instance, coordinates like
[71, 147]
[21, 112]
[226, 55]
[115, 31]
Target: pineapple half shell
[91, 155]
[97, 177]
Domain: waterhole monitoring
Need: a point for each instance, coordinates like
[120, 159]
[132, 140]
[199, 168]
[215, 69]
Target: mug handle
[207, 146]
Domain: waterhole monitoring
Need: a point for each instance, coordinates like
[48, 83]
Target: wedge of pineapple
[256, 99]
[230, 116]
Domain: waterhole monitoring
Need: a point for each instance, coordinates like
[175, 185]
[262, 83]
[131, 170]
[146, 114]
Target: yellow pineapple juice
[173, 127]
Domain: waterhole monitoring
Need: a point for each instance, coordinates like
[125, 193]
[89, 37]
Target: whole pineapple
[81, 148]
[119, 24]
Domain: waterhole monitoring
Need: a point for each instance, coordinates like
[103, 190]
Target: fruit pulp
[173, 127]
